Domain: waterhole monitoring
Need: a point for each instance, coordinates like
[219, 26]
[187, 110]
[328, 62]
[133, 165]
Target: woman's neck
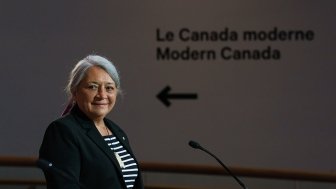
[99, 123]
[102, 128]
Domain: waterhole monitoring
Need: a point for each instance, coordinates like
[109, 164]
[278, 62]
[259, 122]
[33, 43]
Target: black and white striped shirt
[127, 164]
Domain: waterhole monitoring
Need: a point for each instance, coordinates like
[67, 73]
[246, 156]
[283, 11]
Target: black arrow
[164, 96]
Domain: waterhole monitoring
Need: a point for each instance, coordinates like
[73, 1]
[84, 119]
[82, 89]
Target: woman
[88, 150]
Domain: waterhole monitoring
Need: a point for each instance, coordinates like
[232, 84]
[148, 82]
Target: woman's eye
[109, 88]
[93, 87]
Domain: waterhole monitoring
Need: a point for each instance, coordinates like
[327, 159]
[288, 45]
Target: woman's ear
[74, 94]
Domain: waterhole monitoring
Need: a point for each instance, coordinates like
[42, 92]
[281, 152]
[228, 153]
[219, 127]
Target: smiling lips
[99, 104]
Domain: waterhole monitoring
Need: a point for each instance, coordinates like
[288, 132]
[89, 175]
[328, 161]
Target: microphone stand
[195, 145]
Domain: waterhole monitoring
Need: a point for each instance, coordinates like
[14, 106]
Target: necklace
[107, 131]
[104, 131]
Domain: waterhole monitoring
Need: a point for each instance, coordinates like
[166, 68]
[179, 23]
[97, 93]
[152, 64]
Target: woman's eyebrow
[93, 82]
[98, 83]
[110, 83]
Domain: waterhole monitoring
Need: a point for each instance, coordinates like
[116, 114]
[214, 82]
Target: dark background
[255, 113]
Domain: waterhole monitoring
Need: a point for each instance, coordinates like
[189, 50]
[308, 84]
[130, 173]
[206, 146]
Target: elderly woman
[88, 150]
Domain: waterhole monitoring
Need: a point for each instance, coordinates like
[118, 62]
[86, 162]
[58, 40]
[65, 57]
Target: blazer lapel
[95, 136]
[97, 139]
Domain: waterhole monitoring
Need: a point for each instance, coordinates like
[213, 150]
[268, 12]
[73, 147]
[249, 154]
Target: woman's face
[96, 93]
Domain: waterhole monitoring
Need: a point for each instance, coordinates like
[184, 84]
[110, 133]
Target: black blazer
[74, 145]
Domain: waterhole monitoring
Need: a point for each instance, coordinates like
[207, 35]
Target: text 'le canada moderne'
[192, 37]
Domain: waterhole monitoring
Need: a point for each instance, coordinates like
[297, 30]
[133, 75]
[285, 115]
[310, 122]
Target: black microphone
[48, 167]
[195, 145]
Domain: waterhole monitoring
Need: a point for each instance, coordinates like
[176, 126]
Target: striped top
[127, 163]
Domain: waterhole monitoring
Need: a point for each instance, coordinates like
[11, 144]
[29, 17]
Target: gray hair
[79, 71]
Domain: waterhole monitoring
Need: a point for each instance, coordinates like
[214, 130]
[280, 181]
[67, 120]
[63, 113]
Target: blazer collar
[93, 133]
[87, 124]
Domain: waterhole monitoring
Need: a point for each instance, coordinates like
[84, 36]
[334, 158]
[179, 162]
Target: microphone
[48, 167]
[195, 145]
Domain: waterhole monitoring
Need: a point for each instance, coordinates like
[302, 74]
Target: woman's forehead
[97, 75]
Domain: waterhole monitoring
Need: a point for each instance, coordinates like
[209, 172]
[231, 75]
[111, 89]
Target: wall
[274, 109]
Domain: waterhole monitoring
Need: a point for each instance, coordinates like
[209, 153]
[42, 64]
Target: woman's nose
[102, 93]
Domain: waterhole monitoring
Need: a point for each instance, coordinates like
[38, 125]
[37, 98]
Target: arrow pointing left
[164, 96]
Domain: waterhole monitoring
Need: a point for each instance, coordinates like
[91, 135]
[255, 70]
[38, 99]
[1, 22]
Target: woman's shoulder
[69, 118]
[64, 123]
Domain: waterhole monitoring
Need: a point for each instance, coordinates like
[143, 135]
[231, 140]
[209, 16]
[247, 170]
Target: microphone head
[194, 144]
[43, 164]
